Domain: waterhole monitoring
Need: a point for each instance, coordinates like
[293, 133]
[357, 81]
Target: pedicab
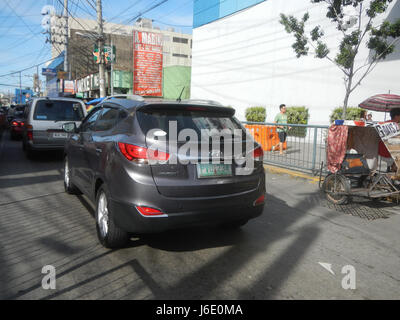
[354, 165]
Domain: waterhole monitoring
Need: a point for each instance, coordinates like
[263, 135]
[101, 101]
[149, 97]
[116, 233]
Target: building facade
[176, 58]
[243, 57]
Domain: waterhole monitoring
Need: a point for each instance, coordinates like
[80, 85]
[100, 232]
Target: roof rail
[203, 101]
[124, 96]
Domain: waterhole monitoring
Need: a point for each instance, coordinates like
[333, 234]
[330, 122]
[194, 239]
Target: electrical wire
[23, 21]
[140, 14]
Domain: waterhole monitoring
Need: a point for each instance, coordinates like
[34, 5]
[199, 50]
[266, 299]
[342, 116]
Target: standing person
[281, 118]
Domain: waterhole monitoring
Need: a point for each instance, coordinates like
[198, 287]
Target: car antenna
[179, 98]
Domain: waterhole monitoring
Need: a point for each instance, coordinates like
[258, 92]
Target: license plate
[60, 135]
[210, 170]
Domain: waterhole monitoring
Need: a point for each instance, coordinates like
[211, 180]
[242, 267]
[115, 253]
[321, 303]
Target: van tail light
[141, 154]
[149, 212]
[29, 132]
[14, 123]
[259, 200]
[258, 154]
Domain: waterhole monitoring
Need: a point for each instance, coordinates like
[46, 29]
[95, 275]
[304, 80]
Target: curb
[292, 173]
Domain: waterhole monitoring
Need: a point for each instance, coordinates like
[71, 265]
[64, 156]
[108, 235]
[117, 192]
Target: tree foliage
[358, 29]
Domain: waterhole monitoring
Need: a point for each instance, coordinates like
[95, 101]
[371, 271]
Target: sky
[23, 44]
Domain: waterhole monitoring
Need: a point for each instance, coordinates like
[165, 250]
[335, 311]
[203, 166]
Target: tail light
[17, 123]
[141, 154]
[258, 154]
[149, 212]
[29, 132]
[259, 200]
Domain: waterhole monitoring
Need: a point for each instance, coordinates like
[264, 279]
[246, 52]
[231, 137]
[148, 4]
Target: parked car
[44, 120]
[106, 159]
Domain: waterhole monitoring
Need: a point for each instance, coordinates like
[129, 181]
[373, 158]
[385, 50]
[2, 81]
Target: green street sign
[108, 53]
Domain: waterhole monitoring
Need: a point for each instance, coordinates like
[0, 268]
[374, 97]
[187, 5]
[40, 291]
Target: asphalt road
[275, 256]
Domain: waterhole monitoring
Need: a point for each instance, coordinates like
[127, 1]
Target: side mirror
[69, 127]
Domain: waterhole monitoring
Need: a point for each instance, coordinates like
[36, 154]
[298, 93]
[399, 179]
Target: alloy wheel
[102, 214]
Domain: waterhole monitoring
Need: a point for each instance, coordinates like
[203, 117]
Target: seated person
[383, 151]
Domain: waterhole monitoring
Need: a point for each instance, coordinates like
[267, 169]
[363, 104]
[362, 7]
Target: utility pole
[66, 62]
[112, 66]
[100, 46]
[20, 87]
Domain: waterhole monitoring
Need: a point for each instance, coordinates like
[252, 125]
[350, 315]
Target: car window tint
[107, 119]
[159, 119]
[58, 110]
[90, 122]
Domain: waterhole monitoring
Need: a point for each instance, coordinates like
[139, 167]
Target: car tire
[110, 236]
[69, 187]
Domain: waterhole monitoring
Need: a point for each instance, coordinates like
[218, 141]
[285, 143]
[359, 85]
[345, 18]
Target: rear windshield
[196, 120]
[57, 110]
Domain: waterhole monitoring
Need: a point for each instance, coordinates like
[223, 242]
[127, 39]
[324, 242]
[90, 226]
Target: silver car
[44, 120]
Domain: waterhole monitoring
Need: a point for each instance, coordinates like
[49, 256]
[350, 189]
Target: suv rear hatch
[48, 117]
[195, 178]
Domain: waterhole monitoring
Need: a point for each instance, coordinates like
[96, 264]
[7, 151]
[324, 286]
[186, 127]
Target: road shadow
[26, 181]
[242, 247]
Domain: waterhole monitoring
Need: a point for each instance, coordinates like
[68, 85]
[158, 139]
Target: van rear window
[58, 110]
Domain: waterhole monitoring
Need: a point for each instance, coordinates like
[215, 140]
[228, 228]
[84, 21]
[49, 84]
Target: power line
[173, 25]
[83, 8]
[69, 13]
[124, 11]
[23, 21]
[90, 4]
[36, 65]
[140, 14]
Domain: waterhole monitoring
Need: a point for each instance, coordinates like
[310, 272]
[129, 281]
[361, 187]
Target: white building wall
[246, 59]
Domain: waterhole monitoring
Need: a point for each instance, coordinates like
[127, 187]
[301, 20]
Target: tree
[356, 29]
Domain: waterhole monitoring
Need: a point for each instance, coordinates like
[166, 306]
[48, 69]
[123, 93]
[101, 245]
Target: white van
[44, 118]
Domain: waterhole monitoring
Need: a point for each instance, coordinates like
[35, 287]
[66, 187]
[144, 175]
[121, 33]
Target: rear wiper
[180, 96]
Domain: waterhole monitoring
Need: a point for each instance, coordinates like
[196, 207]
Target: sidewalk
[292, 173]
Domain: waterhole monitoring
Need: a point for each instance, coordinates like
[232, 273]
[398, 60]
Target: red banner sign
[147, 64]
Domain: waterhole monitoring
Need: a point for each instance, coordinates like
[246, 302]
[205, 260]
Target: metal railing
[305, 145]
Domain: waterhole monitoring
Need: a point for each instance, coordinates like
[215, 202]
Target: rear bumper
[16, 130]
[129, 219]
[43, 147]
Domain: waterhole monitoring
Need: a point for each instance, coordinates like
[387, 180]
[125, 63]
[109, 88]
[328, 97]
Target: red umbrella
[381, 102]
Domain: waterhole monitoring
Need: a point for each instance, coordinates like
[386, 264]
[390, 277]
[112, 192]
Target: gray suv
[107, 158]
[44, 120]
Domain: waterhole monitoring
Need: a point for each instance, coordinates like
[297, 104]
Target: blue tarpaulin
[95, 101]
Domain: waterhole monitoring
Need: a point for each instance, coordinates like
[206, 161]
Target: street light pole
[100, 46]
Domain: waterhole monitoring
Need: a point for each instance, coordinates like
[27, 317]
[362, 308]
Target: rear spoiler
[187, 107]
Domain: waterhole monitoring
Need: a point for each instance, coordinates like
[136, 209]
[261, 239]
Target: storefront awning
[57, 61]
